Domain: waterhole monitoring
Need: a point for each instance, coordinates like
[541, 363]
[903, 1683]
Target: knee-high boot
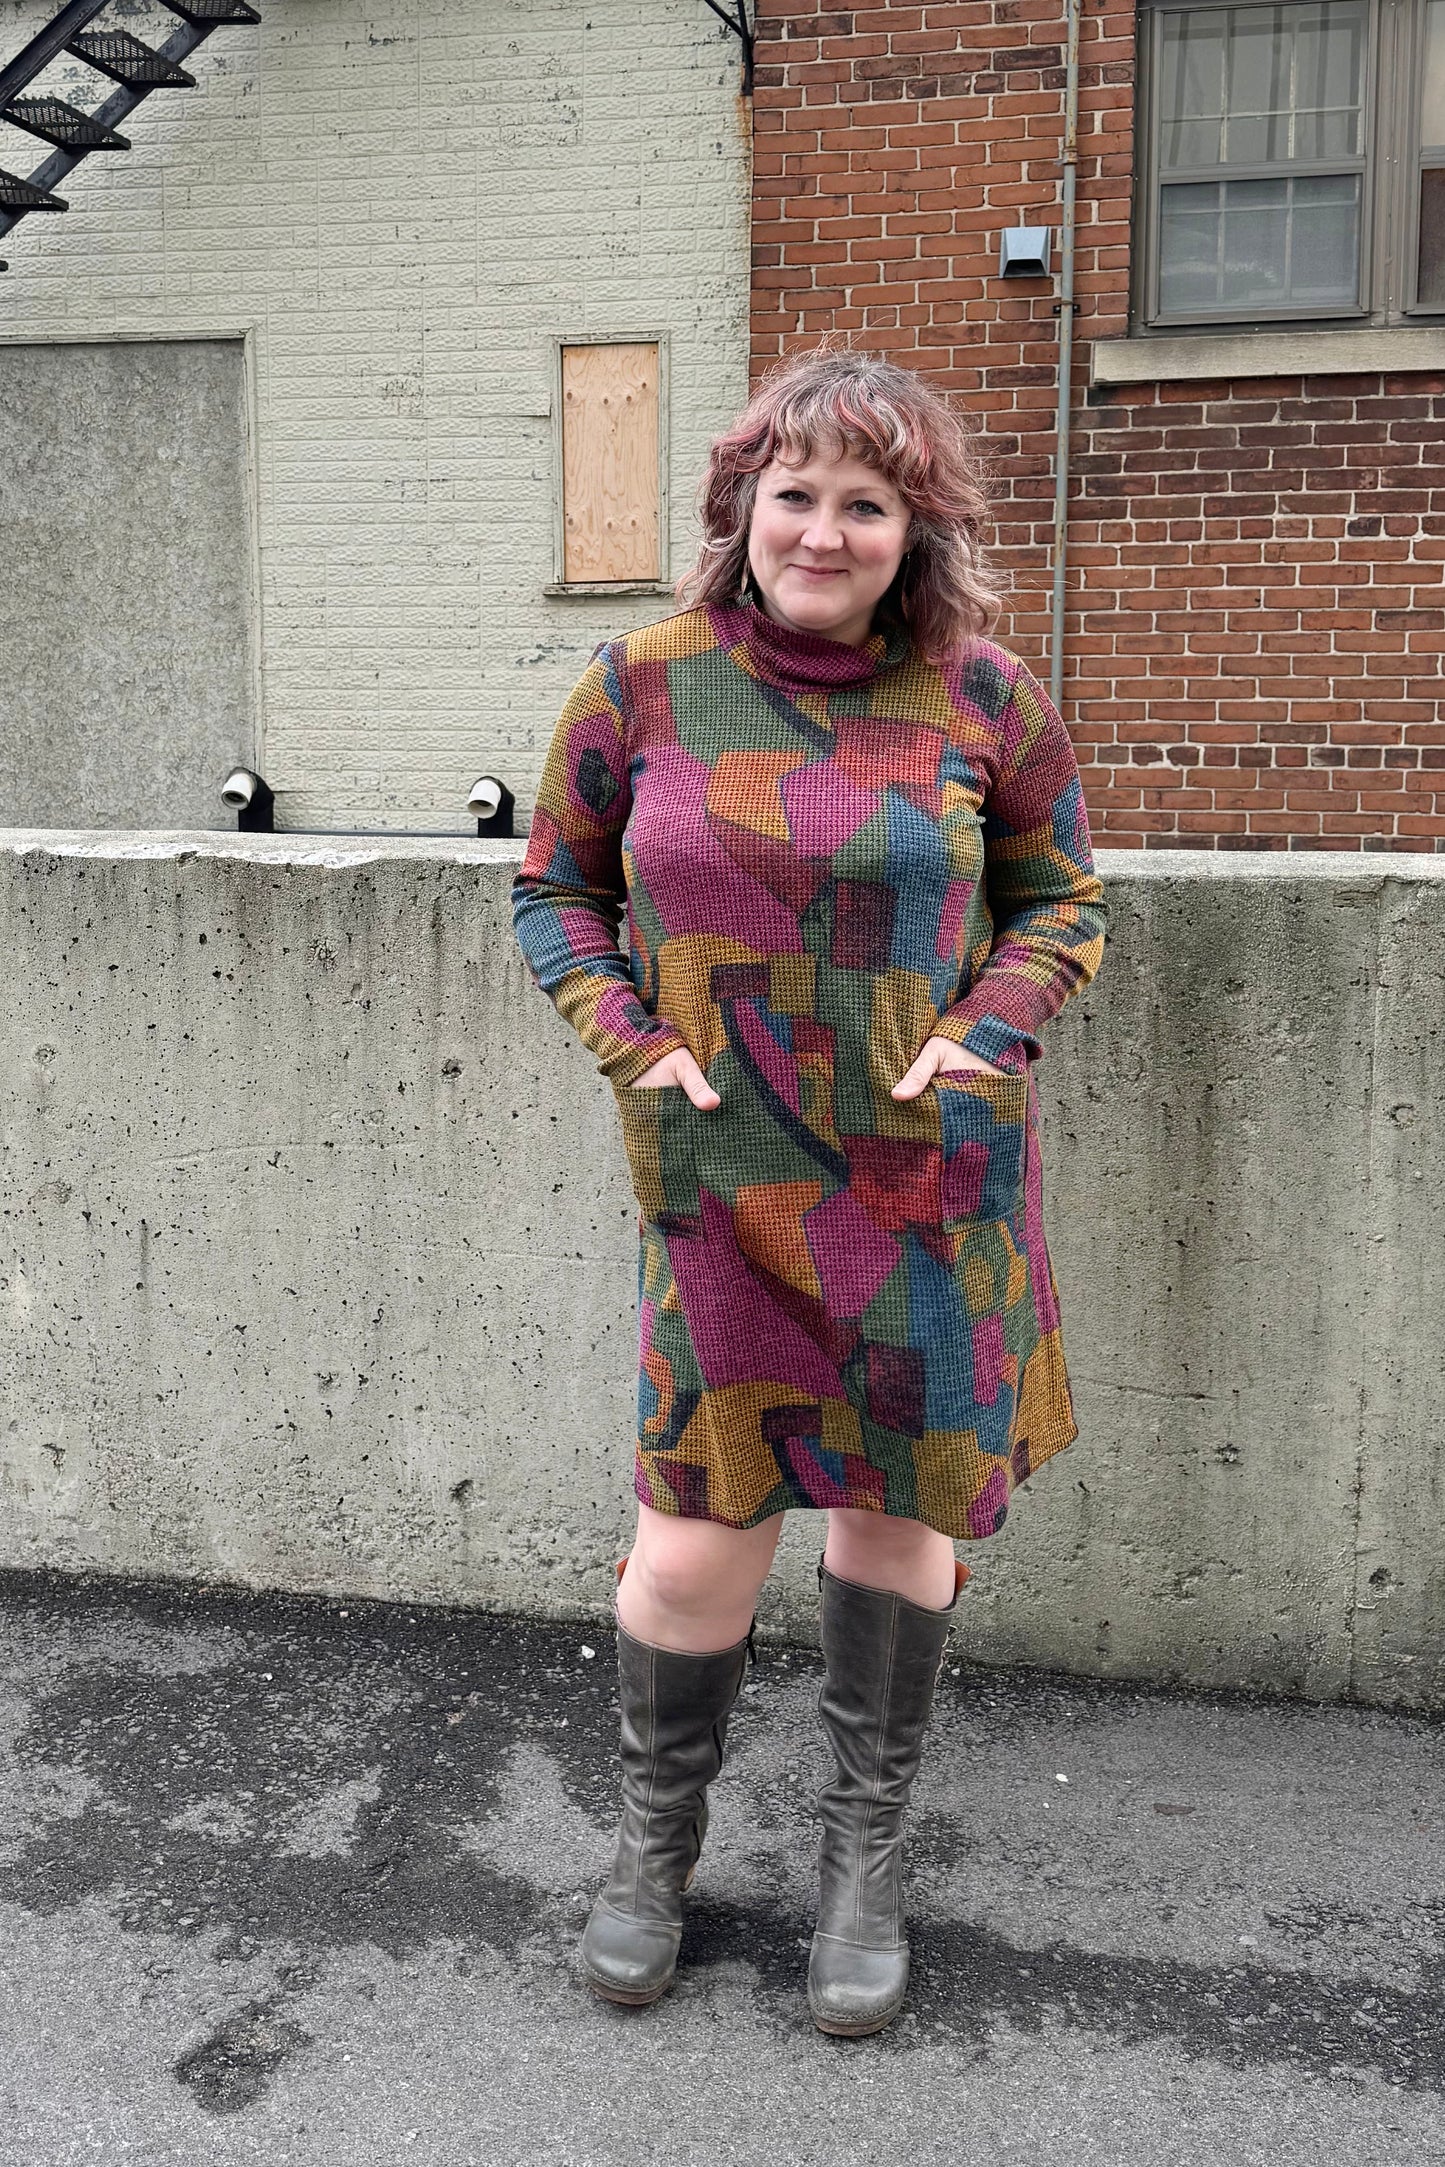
[883, 1656]
[675, 1711]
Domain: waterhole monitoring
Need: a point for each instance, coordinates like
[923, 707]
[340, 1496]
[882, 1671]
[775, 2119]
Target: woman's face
[825, 541]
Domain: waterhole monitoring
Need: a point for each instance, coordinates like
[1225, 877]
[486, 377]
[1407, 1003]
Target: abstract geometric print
[822, 856]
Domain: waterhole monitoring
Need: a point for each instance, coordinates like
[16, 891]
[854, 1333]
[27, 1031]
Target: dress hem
[1040, 1452]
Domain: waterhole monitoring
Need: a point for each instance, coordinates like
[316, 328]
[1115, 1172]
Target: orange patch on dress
[743, 790]
[768, 1222]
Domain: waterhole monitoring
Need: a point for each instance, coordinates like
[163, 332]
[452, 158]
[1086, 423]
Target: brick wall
[1256, 618]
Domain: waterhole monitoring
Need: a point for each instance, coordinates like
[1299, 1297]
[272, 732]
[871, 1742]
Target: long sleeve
[570, 896]
[1046, 901]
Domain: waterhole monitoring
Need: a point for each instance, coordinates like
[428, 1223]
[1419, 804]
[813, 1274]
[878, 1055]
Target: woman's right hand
[682, 1070]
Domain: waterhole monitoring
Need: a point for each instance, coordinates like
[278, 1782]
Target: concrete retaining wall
[318, 1267]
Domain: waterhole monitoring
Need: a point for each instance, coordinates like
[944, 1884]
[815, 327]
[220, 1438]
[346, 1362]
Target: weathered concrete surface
[126, 685]
[287, 1882]
[320, 1256]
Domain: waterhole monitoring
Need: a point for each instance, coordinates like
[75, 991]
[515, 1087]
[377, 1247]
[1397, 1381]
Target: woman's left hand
[939, 1053]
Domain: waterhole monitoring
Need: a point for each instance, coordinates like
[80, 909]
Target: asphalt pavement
[295, 1881]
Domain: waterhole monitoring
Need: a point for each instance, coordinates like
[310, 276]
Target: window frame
[1390, 185]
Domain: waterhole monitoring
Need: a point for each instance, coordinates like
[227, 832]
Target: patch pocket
[985, 1121]
[657, 1137]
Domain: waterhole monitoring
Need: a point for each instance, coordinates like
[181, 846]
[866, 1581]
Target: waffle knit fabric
[823, 855]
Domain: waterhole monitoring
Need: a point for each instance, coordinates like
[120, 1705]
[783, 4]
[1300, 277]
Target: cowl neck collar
[808, 661]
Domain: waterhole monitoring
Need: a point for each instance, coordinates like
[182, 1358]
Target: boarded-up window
[610, 462]
[125, 623]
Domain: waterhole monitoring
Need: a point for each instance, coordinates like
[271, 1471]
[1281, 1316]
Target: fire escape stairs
[135, 68]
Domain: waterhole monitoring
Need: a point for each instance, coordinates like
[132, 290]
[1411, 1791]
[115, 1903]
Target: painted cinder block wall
[398, 205]
[1256, 618]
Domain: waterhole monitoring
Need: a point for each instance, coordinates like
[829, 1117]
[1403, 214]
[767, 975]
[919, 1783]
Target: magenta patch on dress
[897, 1386]
[989, 1507]
[988, 1359]
[862, 925]
[815, 1482]
[776, 1066]
[895, 1180]
[583, 934]
[963, 1179]
[740, 981]
[737, 1329]
[695, 885]
[688, 1485]
[853, 1257]
[825, 1477]
[824, 808]
[950, 918]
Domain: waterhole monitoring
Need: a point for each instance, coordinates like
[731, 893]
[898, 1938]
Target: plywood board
[610, 462]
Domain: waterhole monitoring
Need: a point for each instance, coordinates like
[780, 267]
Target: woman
[847, 836]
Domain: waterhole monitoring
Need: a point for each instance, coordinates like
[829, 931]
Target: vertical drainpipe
[1066, 356]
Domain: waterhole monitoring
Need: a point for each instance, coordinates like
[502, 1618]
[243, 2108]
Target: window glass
[1281, 129]
[1329, 64]
[1290, 242]
[1192, 93]
[1431, 291]
[1254, 86]
[1432, 88]
[1257, 82]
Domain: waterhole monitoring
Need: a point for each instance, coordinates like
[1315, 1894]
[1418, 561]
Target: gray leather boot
[883, 1657]
[674, 1719]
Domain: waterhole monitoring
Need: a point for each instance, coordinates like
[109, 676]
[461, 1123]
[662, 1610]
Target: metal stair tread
[126, 60]
[64, 125]
[19, 195]
[213, 14]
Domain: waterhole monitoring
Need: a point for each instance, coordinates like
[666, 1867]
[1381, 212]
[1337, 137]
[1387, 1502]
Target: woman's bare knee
[882, 1550]
[694, 1583]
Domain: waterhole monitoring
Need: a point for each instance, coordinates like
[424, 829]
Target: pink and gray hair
[836, 401]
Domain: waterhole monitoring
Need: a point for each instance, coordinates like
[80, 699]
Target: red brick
[1258, 564]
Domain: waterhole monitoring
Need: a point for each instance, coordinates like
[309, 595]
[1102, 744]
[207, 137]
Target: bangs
[839, 420]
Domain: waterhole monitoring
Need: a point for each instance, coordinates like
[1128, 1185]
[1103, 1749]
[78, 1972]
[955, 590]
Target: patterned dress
[823, 855]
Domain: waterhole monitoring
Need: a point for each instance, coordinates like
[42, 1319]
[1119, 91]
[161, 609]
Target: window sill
[563, 587]
[1253, 353]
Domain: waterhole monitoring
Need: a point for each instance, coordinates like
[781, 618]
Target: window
[611, 498]
[1430, 237]
[1293, 162]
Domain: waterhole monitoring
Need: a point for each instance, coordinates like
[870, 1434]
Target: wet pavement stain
[231, 2070]
[309, 1778]
[965, 1981]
